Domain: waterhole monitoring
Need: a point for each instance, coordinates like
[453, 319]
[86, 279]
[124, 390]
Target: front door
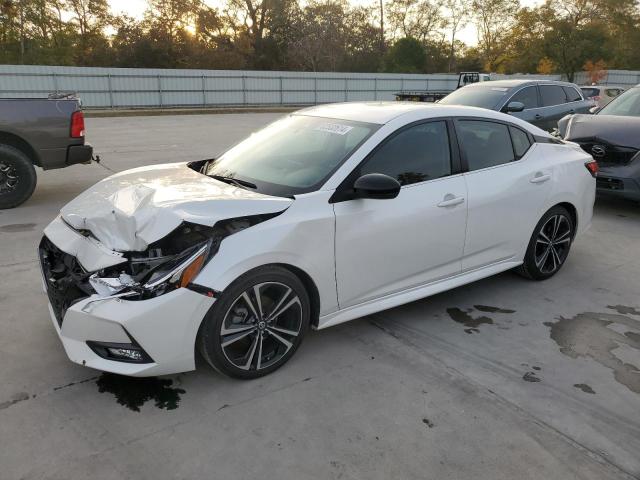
[387, 246]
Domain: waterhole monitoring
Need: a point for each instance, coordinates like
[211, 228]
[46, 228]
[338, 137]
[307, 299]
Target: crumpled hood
[130, 210]
[611, 129]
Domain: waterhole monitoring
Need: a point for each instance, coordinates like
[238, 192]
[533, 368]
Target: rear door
[507, 186]
[554, 106]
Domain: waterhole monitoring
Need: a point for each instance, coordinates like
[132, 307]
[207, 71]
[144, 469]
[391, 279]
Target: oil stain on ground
[472, 323]
[589, 335]
[17, 227]
[134, 392]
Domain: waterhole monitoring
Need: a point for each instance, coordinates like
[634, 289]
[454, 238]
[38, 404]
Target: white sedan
[326, 215]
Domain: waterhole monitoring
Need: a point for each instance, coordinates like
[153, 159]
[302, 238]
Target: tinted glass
[626, 104]
[528, 96]
[572, 94]
[552, 95]
[589, 92]
[476, 96]
[292, 155]
[414, 155]
[520, 141]
[485, 144]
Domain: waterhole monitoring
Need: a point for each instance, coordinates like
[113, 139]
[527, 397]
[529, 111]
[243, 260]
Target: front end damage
[136, 309]
[614, 142]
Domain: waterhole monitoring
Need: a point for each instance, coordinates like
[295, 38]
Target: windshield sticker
[336, 128]
[499, 89]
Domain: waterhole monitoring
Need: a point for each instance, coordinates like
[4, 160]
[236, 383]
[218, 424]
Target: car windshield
[477, 96]
[626, 105]
[291, 156]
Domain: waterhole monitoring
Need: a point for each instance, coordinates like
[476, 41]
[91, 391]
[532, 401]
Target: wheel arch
[310, 285]
[573, 211]
[21, 144]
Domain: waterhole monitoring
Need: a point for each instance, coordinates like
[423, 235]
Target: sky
[136, 8]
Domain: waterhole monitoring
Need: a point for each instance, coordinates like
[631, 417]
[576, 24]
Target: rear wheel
[257, 324]
[17, 177]
[549, 245]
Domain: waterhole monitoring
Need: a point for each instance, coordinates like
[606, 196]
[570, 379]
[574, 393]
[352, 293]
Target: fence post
[159, 92]
[204, 92]
[346, 86]
[244, 90]
[402, 84]
[427, 87]
[281, 93]
[315, 90]
[375, 89]
[110, 91]
[55, 82]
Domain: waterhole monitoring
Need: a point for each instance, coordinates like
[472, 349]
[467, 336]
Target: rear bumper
[79, 154]
[621, 187]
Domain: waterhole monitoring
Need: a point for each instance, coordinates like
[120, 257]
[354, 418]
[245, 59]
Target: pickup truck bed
[47, 133]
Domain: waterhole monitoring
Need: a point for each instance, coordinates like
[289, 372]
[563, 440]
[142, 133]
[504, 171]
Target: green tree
[407, 55]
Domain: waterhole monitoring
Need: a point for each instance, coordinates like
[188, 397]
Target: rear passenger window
[552, 95]
[414, 155]
[528, 96]
[572, 94]
[520, 141]
[485, 144]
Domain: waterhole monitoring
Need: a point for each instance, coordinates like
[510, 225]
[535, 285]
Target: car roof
[383, 112]
[518, 82]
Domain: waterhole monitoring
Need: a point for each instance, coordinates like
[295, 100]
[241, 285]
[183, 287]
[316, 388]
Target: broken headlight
[170, 263]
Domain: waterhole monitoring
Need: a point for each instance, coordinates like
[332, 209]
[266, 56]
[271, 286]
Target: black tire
[17, 177]
[232, 313]
[544, 259]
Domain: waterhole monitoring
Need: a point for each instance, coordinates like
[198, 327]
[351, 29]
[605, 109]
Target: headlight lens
[178, 272]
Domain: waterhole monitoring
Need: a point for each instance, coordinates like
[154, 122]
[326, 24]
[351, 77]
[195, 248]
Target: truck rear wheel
[17, 177]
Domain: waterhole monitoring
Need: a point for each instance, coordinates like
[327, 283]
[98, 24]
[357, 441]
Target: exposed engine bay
[169, 263]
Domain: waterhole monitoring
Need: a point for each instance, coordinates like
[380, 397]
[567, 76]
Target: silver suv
[541, 102]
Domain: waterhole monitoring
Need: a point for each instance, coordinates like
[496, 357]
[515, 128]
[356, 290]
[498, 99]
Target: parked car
[612, 137]
[601, 94]
[540, 102]
[41, 132]
[329, 214]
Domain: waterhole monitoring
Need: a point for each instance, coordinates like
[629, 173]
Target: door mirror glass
[376, 185]
[515, 107]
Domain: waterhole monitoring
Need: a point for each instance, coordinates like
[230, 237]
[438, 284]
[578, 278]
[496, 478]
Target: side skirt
[416, 293]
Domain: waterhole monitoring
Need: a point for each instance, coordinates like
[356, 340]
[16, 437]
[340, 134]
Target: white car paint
[362, 255]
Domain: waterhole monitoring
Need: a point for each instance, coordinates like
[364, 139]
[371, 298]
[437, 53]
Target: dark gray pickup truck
[43, 132]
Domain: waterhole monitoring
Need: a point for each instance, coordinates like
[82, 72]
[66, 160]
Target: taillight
[592, 166]
[596, 98]
[77, 124]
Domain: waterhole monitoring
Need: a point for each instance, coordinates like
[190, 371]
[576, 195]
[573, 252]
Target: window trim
[463, 156]
[344, 192]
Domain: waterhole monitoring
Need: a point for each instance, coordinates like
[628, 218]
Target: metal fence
[153, 88]
[622, 78]
[158, 88]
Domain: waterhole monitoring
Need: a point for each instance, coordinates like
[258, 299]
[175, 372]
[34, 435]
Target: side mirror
[376, 185]
[514, 107]
[594, 110]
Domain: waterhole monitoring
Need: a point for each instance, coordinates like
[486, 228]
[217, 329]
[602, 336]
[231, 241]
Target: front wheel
[549, 245]
[257, 324]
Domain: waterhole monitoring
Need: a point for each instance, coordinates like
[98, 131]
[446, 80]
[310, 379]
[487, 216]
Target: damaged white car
[326, 215]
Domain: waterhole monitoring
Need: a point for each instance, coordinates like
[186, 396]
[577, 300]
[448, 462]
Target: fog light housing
[120, 352]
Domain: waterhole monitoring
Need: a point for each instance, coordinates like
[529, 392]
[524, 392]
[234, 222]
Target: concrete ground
[501, 379]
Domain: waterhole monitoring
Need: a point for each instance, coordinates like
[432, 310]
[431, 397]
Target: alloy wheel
[552, 243]
[261, 326]
[8, 178]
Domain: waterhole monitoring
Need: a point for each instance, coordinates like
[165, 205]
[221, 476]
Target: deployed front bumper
[164, 327]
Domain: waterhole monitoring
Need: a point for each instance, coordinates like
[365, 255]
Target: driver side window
[414, 155]
[527, 96]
